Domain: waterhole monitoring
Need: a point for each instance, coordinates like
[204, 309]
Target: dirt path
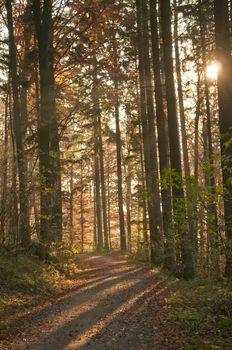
[117, 306]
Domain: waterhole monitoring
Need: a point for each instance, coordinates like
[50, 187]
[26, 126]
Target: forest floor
[115, 304]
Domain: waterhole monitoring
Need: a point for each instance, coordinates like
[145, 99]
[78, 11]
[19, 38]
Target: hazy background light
[213, 69]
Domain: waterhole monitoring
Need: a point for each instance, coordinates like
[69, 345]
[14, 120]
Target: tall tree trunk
[82, 209]
[118, 148]
[212, 208]
[4, 173]
[175, 155]
[223, 52]
[94, 220]
[49, 153]
[149, 135]
[25, 236]
[97, 115]
[180, 95]
[163, 142]
[190, 213]
[103, 187]
[196, 160]
[14, 236]
[142, 197]
[109, 207]
[71, 234]
[196, 130]
[56, 204]
[128, 207]
[144, 203]
[97, 173]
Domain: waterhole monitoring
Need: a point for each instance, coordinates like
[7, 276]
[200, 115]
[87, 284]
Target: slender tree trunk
[97, 115]
[98, 204]
[4, 173]
[138, 227]
[190, 212]
[118, 148]
[144, 202]
[14, 236]
[212, 209]
[96, 109]
[196, 131]
[71, 234]
[175, 155]
[25, 236]
[109, 207]
[82, 210]
[56, 205]
[223, 52]
[103, 188]
[143, 180]
[149, 135]
[196, 161]
[180, 96]
[94, 220]
[36, 214]
[128, 208]
[98, 192]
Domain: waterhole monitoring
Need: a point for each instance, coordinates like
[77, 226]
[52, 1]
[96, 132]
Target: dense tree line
[114, 131]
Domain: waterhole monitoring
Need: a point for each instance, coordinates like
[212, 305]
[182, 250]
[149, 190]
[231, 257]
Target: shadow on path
[113, 309]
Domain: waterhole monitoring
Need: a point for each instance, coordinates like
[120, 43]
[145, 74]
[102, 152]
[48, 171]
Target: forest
[116, 163]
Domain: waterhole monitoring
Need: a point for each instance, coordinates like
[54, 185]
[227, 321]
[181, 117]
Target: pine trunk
[223, 53]
[187, 268]
[163, 142]
[119, 150]
[24, 231]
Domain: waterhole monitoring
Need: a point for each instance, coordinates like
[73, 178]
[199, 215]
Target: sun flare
[212, 70]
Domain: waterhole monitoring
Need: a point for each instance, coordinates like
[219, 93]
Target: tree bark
[25, 236]
[128, 206]
[223, 53]
[4, 173]
[173, 129]
[71, 234]
[118, 148]
[163, 142]
[212, 209]
[49, 152]
[82, 210]
[149, 136]
[97, 115]
[97, 168]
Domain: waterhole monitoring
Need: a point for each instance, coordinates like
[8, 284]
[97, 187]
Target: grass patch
[203, 309]
[26, 280]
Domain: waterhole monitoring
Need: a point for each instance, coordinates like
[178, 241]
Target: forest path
[118, 305]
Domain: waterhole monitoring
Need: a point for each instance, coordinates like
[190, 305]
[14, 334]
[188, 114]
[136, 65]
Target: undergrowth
[203, 309]
[27, 279]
